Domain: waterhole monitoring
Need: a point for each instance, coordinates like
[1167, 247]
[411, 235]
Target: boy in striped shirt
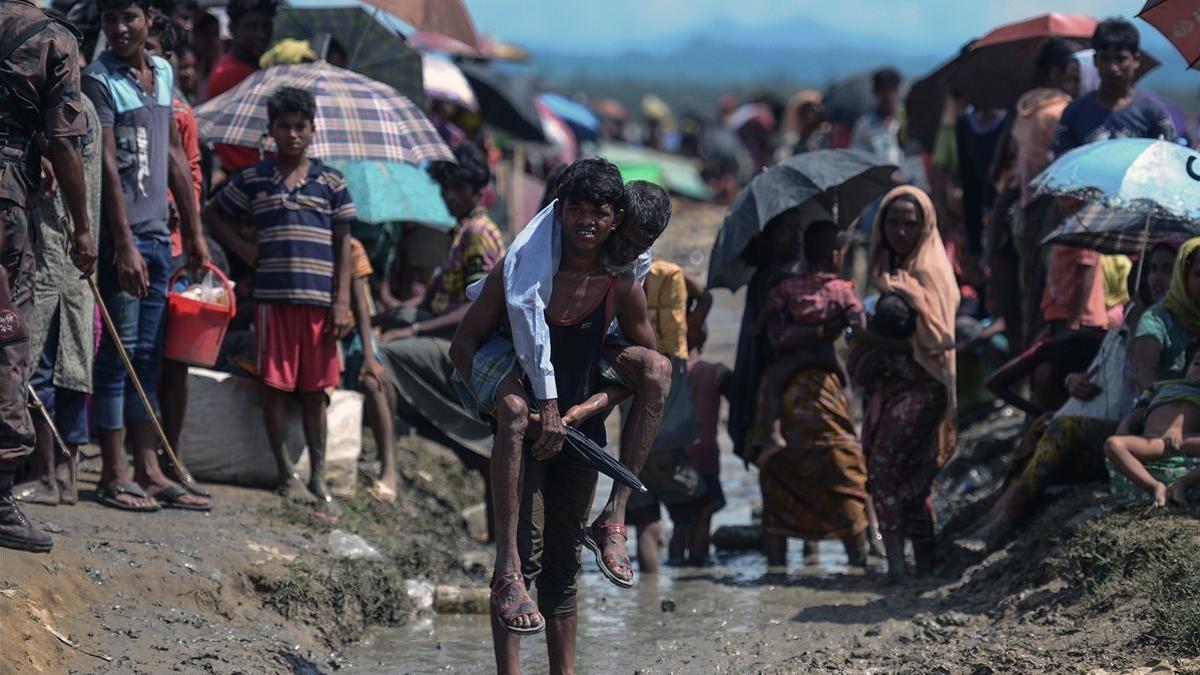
[302, 212]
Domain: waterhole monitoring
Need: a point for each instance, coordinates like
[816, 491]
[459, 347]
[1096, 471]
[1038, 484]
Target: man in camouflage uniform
[39, 87]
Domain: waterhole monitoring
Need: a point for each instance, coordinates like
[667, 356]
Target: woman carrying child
[815, 485]
[909, 418]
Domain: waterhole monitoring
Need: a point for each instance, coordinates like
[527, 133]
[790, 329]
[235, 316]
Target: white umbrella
[444, 81]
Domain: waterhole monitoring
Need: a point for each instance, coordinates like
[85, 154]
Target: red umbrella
[1179, 21]
[448, 17]
[1001, 66]
[489, 48]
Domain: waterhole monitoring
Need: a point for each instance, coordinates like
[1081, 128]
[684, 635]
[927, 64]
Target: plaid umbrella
[1117, 231]
[1179, 21]
[357, 117]
[373, 49]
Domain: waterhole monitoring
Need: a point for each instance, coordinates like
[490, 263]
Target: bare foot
[39, 491]
[383, 492]
[1160, 495]
[1177, 493]
[295, 490]
[320, 490]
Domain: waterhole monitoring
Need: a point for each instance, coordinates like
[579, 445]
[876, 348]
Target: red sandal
[594, 537]
[500, 586]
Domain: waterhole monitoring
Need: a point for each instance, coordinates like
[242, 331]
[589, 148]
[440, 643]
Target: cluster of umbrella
[1133, 191]
[367, 129]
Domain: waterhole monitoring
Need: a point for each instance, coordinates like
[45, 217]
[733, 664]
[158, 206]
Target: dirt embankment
[1082, 588]
[258, 585]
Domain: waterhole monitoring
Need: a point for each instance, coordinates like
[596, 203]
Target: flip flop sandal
[37, 492]
[170, 498]
[606, 562]
[500, 585]
[107, 495]
[382, 493]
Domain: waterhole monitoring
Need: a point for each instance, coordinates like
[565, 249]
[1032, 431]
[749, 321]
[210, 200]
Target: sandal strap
[125, 488]
[613, 529]
[505, 580]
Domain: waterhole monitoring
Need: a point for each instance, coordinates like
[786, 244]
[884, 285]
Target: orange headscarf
[926, 279]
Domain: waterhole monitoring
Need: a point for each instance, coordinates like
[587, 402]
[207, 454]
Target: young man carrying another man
[542, 499]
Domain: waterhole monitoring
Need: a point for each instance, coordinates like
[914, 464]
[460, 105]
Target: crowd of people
[844, 396]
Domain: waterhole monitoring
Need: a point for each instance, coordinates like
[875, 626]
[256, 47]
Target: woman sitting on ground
[1065, 447]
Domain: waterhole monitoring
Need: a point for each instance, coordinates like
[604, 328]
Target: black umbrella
[852, 97]
[849, 98]
[507, 102]
[372, 49]
[586, 449]
[834, 184]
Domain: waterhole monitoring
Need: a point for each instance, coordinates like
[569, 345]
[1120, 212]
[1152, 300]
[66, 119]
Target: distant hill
[783, 56]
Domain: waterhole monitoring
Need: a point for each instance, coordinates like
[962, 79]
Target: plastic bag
[208, 289]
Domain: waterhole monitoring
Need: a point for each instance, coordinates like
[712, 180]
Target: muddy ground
[256, 587]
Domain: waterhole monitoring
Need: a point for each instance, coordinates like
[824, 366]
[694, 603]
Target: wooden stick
[37, 403]
[180, 472]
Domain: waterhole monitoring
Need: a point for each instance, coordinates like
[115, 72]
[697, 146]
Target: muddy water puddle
[682, 619]
[720, 608]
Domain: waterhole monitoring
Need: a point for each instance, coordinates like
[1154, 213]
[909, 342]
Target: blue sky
[602, 25]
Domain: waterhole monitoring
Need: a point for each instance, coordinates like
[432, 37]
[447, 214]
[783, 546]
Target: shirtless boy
[1169, 420]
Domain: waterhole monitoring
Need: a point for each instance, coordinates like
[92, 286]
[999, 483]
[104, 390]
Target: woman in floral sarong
[909, 419]
[814, 487]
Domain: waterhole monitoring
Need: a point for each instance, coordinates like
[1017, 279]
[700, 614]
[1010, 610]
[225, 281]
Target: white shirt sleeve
[529, 268]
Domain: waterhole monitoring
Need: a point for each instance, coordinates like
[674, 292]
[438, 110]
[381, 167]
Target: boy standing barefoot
[302, 211]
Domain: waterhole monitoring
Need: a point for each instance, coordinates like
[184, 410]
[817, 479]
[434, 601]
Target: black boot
[15, 529]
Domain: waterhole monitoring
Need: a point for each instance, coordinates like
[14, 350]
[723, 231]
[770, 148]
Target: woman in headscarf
[814, 487]
[1067, 446]
[909, 420]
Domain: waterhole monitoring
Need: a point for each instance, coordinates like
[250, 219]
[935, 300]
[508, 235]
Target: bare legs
[275, 420]
[1129, 453]
[649, 373]
[512, 606]
[380, 406]
[649, 537]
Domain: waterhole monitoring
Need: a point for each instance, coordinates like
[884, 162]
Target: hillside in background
[690, 70]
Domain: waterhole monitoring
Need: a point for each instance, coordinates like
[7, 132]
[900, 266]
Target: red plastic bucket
[195, 328]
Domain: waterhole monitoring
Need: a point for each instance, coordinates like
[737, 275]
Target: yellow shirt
[1116, 269]
[666, 298]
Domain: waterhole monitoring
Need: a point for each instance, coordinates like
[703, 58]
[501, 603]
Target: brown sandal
[507, 606]
[595, 537]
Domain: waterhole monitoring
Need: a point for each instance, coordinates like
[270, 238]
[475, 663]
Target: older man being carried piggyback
[542, 499]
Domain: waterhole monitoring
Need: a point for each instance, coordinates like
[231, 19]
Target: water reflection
[622, 631]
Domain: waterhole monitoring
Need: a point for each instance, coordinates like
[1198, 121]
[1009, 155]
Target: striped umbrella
[1117, 231]
[373, 49]
[357, 117]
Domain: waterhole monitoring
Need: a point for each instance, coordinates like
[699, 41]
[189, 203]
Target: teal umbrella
[392, 191]
[372, 49]
[677, 174]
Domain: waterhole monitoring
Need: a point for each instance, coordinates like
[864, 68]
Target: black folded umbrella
[587, 450]
[506, 101]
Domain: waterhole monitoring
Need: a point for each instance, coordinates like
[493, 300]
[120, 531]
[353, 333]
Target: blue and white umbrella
[1153, 178]
[583, 122]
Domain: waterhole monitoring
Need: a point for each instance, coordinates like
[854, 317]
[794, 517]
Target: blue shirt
[141, 122]
[1085, 121]
[295, 229]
